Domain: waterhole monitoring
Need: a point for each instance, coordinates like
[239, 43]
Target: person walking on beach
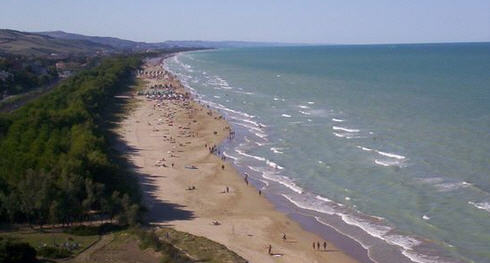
[313, 245]
[270, 249]
[318, 245]
[284, 236]
[324, 245]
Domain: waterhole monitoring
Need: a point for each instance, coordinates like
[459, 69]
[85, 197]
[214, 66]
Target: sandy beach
[189, 187]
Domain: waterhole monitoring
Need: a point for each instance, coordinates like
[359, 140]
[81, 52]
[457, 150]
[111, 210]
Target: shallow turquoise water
[394, 140]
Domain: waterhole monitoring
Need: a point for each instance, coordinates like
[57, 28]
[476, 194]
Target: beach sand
[180, 133]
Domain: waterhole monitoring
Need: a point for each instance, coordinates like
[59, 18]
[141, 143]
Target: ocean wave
[318, 113]
[337, 120]
[311, 102]
[262, 159]
[283, 180]
[339, 134]
[303, 107]
[230, 156]
[364, 148]
[304, 112]
[259, 158]
[337, 128]
[481, 205]
[276, 150]
[451, 186]
[414, 256]
[386, 163]
[303, 202]
[222, 107]
[346, 135]
[391, 155]
[286, 115]
[273, 165]
[323, 198]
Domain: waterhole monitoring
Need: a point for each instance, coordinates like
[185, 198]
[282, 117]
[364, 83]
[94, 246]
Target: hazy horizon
[315, 22]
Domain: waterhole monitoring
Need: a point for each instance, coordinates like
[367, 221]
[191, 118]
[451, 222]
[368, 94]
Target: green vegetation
[37, 45]
[13, 252]
[43, 240]
[19, 74]
[199, 248]
[56, 166]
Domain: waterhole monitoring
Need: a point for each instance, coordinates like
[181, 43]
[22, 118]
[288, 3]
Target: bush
[53, 252]
[94, 230]
[13, 252]
[83, 230]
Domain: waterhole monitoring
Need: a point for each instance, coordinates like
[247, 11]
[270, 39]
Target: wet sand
[168, 142]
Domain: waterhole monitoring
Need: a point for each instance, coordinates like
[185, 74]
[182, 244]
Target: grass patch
[199, 248]
[39, 240]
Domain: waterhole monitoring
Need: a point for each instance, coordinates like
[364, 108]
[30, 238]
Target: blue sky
[308, 21]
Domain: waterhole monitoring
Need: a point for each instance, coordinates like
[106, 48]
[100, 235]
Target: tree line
[56, 166]
[20, 74]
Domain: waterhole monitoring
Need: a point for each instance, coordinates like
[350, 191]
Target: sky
[298, 21]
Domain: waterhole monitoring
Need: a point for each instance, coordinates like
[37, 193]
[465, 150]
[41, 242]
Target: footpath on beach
[171, 141]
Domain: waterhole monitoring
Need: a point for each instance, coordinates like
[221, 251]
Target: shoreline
[191, 196]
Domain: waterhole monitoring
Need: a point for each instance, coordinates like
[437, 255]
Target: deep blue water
[389, 144]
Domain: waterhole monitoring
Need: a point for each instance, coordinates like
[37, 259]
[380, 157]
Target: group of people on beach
[317, 245]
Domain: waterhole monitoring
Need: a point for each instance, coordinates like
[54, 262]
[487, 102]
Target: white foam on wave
[272, 176]
[481, 205]
[450, 186]
[249, 127]
[276, 150]
[337, 120]
[286, 115]
[262, 159]
[259, 158]
[273, 165]
[304, 112]
[346, 135]
[244, 92]
[337, 128]
[303, 107]
[311, 102]
[364, 148]
[391, 155]
[386, 163]
[419, 258]
[230, 156]
[323, 198]
[303, 202]
[222, 107]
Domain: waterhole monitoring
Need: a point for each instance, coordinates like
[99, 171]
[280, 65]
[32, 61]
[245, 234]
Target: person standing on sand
[318, 245]
[313, 245]
[324, 245]
[284, 236]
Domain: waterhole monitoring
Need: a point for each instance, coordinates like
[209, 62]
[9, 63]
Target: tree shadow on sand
[158, 211]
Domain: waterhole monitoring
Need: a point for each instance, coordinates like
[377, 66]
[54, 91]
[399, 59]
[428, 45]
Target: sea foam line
[337, 128]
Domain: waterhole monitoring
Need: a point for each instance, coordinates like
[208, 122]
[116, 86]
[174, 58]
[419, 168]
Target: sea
[387, 145]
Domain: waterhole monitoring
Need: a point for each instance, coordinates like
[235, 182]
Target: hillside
[118, 43]
[31, 44]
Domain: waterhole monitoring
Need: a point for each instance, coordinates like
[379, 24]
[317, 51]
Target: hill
[118, 43]
[31, 44]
